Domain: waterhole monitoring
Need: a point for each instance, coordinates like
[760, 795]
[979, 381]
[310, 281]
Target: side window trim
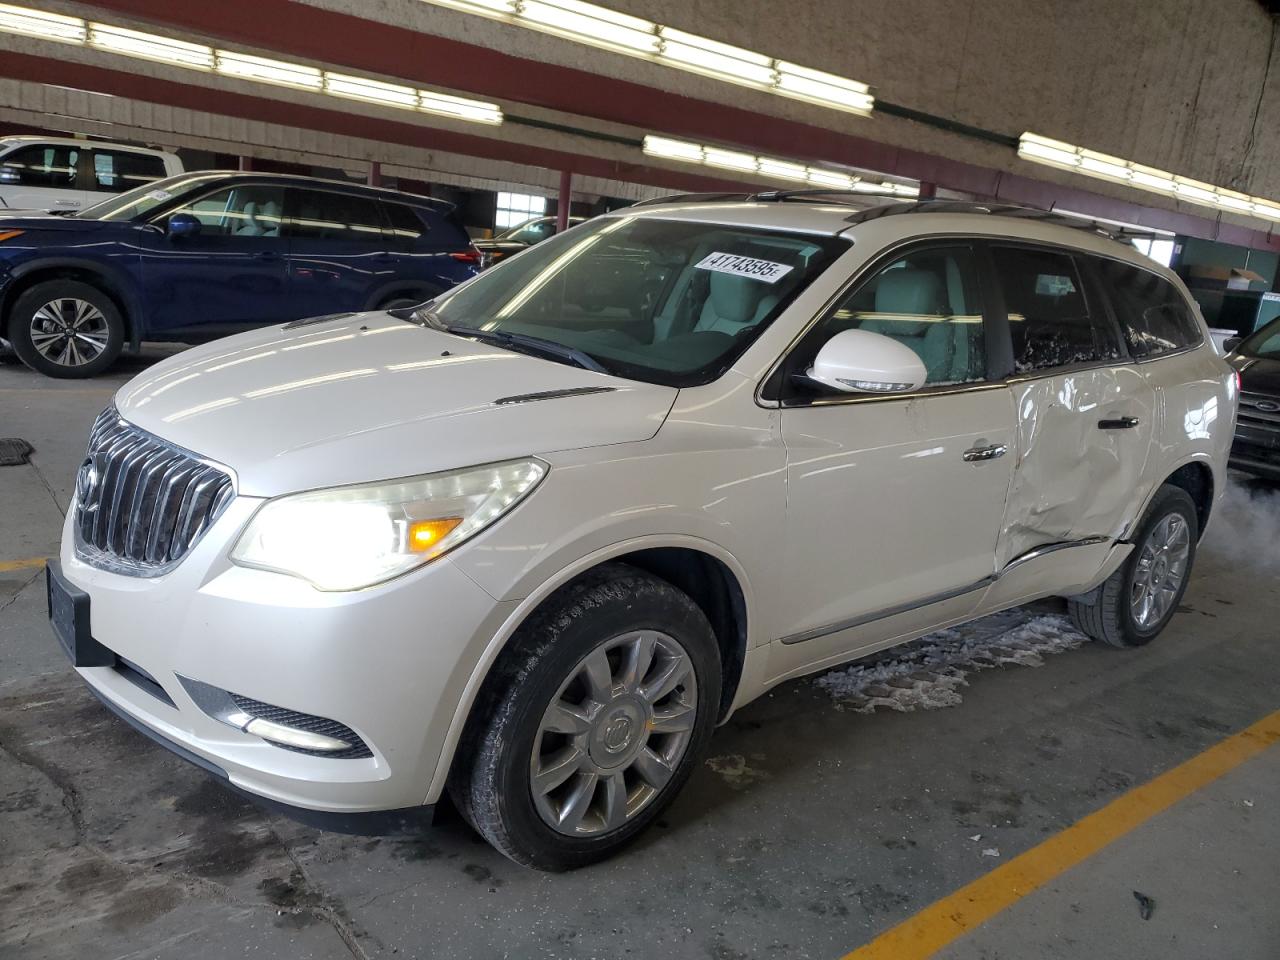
[1098, 293]
[775, 385]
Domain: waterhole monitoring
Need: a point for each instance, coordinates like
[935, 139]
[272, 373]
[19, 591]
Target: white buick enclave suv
[530, 542]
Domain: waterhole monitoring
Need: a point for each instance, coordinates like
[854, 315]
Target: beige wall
[1171, 83]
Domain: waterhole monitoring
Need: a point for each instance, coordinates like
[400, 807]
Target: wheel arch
[1196, 476]
[108, 281]
[711, 576]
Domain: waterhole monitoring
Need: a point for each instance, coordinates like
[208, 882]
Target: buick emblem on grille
[88, 480]
[1267, 406]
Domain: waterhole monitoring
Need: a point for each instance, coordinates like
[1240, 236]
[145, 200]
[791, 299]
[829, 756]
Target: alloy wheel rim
[614, 733]
[1160, 572]
[69, 332]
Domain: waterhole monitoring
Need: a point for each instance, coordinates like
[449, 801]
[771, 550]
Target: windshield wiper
[538, 345]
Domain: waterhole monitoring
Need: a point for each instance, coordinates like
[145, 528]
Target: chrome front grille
[142, 503]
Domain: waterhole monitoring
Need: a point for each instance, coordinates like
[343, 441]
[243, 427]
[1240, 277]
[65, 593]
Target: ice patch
[926, 674]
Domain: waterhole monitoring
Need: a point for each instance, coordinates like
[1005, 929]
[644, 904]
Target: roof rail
[1013, 210]
[904, 206]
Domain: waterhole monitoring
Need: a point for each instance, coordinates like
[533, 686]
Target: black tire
[1106, 614]
[491, 783]
[33, 299]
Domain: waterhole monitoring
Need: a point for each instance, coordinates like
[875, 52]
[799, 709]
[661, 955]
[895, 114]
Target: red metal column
[928, 190]
[562, 209]
[375, 174]
[246, 164]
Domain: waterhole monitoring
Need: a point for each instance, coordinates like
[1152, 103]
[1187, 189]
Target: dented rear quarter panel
[1195, 418]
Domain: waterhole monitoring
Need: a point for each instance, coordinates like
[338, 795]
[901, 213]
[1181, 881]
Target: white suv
[530, 542]
[55, 173]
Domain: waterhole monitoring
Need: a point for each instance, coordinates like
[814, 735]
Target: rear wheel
[66, 329]
[1137, 601]
[593, 723]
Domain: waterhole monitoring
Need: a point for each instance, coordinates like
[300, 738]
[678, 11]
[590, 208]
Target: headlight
[346, 538]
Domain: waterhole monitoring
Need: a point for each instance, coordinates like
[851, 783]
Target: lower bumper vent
[308, 723]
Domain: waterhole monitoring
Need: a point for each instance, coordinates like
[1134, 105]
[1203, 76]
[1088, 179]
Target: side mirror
[10, 175]
[1231, 343]
[859, 361]
[183, 225]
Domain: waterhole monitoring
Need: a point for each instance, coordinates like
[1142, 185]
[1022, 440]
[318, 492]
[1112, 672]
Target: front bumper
[390, 662]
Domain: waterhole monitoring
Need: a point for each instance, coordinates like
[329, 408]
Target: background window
[927, 300]
[1049, 318]
[118, 171]
[1155, 317]
[45, 165]
[514, 208]
[321, 215]
[245, 211]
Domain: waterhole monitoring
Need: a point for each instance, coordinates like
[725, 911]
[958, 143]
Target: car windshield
[1265, 343]
[664, 301]
[142, 200]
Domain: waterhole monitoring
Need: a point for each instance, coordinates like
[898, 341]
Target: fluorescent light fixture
[673, 149]
[373, 91]
[783, 169]
[37, 23]
[244, 66]
[1091, 163]
[598, 26]
[150, 46]
[770, 167]
[587, 23]
[460, 108]
[266, 70]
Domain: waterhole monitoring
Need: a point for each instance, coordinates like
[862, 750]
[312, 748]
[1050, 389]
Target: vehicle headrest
[911, 291]
[736, 299]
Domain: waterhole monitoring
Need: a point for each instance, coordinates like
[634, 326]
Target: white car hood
[367, 397]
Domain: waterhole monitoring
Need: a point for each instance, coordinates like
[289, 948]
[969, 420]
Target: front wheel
[1137, 601]
[66, 329]
[593, 723]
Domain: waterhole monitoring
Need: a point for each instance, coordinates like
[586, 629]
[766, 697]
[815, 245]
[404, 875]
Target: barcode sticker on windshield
[765, 270]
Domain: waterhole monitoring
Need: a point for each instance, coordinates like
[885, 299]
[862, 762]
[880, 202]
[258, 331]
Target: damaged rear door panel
[1082, 461]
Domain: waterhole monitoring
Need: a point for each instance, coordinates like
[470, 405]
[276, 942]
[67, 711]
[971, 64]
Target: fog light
[292, 737]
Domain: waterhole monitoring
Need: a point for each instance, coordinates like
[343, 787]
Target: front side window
[250, 210]
[666, 301]
[1049, 316]
[1155, 317]
[44, 165]
[1265, 343]
[928, 300]
[115, 171]
[326, 215]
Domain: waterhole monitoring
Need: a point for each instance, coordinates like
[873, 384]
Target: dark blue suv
[201, 255]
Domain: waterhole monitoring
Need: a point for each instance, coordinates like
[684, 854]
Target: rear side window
[43, 165]
[405, 222]
[1049, 316]
[325, 215]
[1155, 316]
[115, 171]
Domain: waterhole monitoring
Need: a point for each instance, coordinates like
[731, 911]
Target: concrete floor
[812, 829]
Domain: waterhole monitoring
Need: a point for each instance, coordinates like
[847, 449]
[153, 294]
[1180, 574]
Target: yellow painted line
[950, 918]
[8, 566]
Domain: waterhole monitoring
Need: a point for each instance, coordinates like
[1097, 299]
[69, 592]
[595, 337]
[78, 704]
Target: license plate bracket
[69, 618]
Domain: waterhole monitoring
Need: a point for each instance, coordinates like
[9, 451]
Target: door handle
[1123, 423]
[266, 255]
[978, 454]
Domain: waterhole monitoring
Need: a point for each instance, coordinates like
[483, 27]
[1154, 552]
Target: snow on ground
[926, 674]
